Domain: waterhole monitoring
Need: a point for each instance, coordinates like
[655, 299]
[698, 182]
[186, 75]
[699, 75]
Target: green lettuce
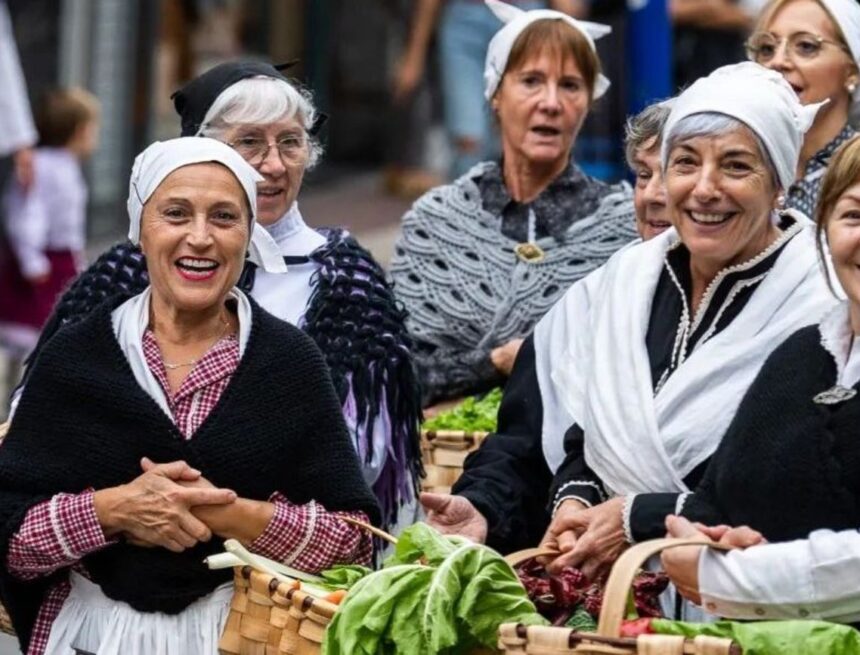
[474, 414]
[773, 637]
[435, 594]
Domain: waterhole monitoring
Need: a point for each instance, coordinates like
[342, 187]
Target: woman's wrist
[243, 520]
[106, 503]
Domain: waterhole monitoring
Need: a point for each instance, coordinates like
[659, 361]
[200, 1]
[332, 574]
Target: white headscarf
[516, 20]
[759, 98]
[846, 13]
[161, 158]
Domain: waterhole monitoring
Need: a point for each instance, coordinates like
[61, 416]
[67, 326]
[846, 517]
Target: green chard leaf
[451, 602]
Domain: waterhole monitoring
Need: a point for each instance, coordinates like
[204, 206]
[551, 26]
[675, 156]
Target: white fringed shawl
[593, 366]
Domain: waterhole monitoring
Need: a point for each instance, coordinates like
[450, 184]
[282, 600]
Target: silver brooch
[834, 395]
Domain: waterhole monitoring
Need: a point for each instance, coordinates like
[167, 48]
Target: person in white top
[788, 467]
[17, 131]
[44, 224]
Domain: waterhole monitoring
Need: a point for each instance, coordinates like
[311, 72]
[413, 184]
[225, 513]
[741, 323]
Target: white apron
[93, 623]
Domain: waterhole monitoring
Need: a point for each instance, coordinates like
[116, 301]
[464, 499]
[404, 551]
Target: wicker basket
[444, 452]
[5, 621]
[517, 639]
[269, 617]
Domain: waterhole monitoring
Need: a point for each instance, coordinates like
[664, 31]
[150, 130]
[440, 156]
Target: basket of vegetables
[448, 438]
[607, 620]
[435, 594]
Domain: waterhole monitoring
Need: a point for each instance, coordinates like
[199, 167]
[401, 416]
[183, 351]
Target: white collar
[837, 336]
[287, 225]
[129, 322]
[292, 235]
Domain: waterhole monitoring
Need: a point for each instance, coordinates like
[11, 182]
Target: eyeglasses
[254, 150]
[763, 46]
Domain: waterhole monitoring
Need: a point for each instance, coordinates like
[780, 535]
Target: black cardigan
[84, 422]
[787, 465]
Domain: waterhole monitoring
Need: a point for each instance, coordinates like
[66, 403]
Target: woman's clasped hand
[156, 508]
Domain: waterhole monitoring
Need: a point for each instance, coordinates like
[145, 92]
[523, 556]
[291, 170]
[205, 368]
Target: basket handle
[382, 534]
[623, 573]
[517, 558]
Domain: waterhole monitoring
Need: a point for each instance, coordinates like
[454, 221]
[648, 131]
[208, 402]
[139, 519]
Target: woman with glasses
[815, 45]
[320, 280]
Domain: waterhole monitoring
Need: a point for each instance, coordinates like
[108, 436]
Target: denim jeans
[465, 30]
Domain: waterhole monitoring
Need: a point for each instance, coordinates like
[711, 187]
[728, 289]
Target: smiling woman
[271, 122]
[481, 260]
[172, 375]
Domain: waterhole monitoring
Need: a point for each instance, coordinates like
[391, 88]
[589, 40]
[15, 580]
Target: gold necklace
[192, 362]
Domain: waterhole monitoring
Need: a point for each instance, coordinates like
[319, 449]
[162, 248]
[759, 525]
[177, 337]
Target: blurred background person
[414, 162]
[815, 44]
[709, 34]
[44, 227]
[17, 132]
[481, 260]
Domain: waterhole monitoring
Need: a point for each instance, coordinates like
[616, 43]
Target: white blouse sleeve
[815, 578]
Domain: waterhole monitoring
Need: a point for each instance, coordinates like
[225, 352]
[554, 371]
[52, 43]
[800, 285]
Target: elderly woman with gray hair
[165, 422]
[320, 280]
[642, 366]
[687, 319]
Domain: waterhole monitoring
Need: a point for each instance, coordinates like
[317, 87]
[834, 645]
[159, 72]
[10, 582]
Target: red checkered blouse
[60, 532]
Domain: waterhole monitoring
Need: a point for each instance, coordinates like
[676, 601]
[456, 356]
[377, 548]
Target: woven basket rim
[284, 594]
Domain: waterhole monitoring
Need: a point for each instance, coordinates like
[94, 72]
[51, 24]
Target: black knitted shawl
[84, 422]
[787, 465]
[352, 316]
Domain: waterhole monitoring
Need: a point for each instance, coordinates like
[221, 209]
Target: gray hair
[645, 126]
[260, 100]
[715, 124]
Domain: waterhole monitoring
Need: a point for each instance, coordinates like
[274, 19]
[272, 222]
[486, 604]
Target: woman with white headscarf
[641, 366]
[481, 260]
[815, 45]
[320, 280]
[679, 327]
[162, 424]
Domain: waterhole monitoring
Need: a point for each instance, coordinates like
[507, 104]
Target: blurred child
[44, 227]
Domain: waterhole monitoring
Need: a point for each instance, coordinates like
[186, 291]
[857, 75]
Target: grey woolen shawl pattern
[461, 281]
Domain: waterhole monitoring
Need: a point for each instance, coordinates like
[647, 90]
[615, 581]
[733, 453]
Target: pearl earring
[852, 87]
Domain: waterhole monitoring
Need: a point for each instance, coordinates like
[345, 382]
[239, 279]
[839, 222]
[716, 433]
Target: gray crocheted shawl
[461, 280]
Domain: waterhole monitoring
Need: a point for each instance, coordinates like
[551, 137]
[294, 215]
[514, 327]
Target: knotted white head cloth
[846, 13]
[516, 20]
[161, 158]
[759, 98]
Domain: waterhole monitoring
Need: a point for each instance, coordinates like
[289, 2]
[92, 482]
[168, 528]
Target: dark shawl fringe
[356, 321]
